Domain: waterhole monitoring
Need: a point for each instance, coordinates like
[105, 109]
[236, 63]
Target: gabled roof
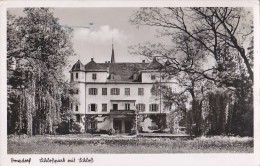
[93, 66]
[154, 65]
[78, 66]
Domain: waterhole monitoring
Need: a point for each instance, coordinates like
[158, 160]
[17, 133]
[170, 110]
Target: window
[140, 107]
[104, 91]
[127, 91]
[135, 76]
[71, 106]
[77, 108]
[93, 91]
[152, 77]
[141, 91]
[115, 91]
[77, 75]
[77, 91]
[77, 118]
[127, 106]
[94, 76]
[153, 107]
[93, 107]
[104, 107]
[115, 106]
[112, 76]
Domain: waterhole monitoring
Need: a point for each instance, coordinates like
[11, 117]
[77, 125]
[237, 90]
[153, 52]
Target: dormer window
[152, 77]
[94, 76]
[112, 76]
[135, 76]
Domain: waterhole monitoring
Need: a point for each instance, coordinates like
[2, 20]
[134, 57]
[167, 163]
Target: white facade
[123, 98]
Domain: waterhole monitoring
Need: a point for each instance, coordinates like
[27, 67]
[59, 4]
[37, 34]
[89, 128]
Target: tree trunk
[29, 116]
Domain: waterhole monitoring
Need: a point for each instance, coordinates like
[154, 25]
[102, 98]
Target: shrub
[63, 128]
[76, 128]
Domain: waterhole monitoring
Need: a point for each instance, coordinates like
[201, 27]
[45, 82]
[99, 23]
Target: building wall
[146, 77]
[85, 98]
[81, 76]
[101, 76]
[100, 99]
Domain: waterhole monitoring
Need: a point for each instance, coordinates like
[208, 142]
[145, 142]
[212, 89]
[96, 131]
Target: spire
[113, 54]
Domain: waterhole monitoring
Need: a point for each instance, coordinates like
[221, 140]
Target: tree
[211, 28]
[40, 47]
[207, 47]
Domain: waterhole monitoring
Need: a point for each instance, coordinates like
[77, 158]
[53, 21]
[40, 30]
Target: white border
[135, 159]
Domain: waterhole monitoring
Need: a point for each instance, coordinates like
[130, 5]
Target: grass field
[79, 144]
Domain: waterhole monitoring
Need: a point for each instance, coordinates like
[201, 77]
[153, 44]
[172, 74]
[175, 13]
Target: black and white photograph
[134, 80]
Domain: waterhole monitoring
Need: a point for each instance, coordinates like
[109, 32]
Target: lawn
[80, 144]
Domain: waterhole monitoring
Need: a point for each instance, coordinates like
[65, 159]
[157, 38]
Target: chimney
[108, 61]
[92, 59]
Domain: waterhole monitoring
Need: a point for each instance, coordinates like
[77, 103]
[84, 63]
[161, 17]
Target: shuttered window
[127, 106]
[140, 107]
[92, 107]
[93, 91]
[153, 107]
[115, 91]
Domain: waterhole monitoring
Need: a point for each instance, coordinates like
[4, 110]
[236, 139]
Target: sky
[105, 24]
[96, 42]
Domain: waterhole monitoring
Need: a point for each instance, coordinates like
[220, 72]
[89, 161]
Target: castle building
[119, 95]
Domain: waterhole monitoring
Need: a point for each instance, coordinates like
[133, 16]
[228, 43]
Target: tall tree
[208, 45]
[39, 46]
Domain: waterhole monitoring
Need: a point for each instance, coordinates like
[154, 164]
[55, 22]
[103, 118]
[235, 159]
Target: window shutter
[97, 91]
[118, 91]
[150, 107]
[89, 91]
[111, 91]
[157, 107]
[89, 107]
[143, 105]
[96, 107]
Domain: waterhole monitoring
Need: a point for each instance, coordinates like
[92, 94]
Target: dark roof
[154, 65]
[93, 66]
[124, 71]
[78, 66]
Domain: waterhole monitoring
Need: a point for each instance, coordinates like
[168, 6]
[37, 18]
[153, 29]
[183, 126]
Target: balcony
[121, 112]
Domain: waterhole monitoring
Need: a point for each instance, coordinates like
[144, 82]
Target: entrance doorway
[128, 126]
[117, 126]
